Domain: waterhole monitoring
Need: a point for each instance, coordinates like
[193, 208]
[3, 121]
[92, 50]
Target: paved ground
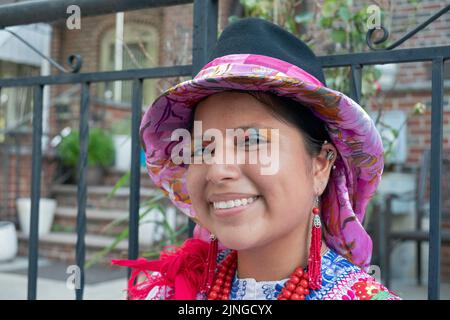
[411, 291]
[107, 284]
[101, 283]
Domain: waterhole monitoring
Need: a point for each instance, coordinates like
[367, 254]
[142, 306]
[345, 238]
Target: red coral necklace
[296, 288]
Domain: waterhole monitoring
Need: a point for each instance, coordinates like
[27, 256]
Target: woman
[259, 233]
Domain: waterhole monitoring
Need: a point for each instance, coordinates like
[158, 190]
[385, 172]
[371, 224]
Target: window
[16, 103]
[140, 50]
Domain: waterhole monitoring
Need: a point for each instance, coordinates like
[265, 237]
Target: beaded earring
[315, 259]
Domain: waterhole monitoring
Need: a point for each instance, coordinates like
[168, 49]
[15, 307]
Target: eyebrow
[252, 126]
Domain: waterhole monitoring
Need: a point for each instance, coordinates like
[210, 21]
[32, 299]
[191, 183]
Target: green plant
[122, 126]
[100, 149]
[156, 203]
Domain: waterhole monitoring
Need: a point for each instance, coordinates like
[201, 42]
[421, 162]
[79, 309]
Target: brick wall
[413, 85]
[174, 25]
[413, 82]
[20, 186]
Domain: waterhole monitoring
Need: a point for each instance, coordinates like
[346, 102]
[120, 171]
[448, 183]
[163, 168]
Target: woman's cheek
[193, 188]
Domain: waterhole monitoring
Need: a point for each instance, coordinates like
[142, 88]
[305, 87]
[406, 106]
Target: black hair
[295, 113]
[291, 112]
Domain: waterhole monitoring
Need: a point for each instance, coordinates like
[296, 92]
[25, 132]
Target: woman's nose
[218, 173]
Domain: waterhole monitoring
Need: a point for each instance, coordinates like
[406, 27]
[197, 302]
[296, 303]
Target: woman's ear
[322, 165]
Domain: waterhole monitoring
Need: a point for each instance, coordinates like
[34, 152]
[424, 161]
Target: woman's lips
[230, 212]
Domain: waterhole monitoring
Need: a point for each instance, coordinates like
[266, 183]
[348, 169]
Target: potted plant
[100, 154]
[121, 133]
[47, 208]
[8, 241]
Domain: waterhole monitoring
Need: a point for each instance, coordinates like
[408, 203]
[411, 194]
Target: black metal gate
[204, 36]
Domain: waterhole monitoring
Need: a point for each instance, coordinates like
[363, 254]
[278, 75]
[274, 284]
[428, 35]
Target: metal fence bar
[3, 170]
[434, 264]
[130, 74]
[135, 179]
[204, 37]
[82, 187]
[356, 82]
[51, 10]
[205, 32]
[6, 163]
[18, 163]
[2, 203]
[36, 164]
[200, 41]
[383, 57]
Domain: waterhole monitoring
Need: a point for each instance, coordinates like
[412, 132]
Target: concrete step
[97, 196]
[62, 246]
[113, 175]
[99, 221]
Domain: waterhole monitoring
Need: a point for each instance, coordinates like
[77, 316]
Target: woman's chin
[237, 242]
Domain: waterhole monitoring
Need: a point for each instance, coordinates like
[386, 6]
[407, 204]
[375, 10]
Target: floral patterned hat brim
[359, 163]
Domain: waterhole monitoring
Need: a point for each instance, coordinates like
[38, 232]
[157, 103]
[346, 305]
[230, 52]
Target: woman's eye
[253, 140]
[201, 151]
[198, 152]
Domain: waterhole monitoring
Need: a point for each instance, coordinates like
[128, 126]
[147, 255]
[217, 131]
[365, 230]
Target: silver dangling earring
[330, 155]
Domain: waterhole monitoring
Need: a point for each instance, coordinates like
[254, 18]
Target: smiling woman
[295, 233]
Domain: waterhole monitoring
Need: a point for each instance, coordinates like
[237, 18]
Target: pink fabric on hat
[359, 163]
[269, 62]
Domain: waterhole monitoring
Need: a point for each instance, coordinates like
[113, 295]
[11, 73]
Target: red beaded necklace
[217, 286]
[296, 288]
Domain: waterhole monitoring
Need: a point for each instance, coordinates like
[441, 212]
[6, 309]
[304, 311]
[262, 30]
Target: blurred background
[397, 96]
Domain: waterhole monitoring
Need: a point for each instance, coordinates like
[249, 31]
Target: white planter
[147, 227]
[8, 241]
[122, 146]
[151, 232]
[47, 209]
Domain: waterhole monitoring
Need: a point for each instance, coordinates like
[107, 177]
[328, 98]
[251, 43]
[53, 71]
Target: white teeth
[233, 203]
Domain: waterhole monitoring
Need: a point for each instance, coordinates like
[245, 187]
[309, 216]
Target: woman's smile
[229, 205]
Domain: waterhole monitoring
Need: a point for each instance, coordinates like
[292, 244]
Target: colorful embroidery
[368, 289]
[341, 280]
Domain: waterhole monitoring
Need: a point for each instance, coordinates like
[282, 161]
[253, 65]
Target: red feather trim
[183, 269]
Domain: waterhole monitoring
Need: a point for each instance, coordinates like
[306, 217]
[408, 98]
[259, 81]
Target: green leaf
[339, 36]
[100, 148]
[304, 17]
[326, 22]
[344, 13]
[123, 235]
[329, 9]
[122, 181]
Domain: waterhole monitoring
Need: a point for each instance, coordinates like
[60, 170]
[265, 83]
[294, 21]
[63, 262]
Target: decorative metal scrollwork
[75, 61]
[371, 43]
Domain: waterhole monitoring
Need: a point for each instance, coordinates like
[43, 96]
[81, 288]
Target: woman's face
[283, 200]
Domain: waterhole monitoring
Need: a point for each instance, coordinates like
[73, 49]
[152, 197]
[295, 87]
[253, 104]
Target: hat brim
[359, 163]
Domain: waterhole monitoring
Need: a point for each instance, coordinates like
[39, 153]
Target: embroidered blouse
[341, 280]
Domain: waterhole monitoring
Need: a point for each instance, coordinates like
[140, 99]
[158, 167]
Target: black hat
[265, 38]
